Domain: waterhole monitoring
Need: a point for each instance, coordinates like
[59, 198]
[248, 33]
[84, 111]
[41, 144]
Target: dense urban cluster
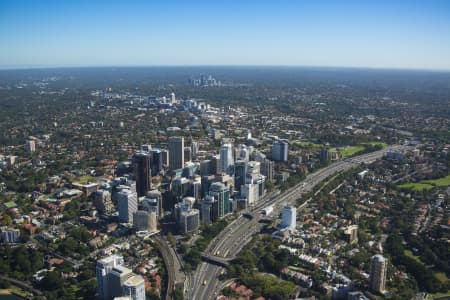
[197, 188]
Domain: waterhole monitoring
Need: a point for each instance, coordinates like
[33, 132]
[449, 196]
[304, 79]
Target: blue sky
[380, 34]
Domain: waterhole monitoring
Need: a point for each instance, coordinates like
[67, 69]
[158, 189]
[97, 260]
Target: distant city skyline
[376, 34]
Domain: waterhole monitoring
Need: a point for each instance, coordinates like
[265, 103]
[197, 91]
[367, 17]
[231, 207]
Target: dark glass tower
[142, 172]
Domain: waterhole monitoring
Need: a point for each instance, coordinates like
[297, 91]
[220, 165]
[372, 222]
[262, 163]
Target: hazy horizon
[345, 34]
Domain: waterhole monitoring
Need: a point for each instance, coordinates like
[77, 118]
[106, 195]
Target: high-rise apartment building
[378, 272]
[103, 272]
[134, 288]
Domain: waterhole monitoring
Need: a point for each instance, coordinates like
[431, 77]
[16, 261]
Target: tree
[52, 281]
[172, 239]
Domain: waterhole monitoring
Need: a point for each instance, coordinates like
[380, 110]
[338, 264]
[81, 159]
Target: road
[175, 275]
[204, 283]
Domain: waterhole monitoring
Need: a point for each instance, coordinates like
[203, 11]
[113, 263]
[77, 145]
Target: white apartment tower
[128, 204]
[289, 217]
[103, 272]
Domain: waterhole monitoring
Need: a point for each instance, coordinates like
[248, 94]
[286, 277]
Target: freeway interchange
[204, 282]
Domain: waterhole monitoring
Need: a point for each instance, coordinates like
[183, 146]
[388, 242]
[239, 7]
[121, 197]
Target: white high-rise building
[128, 204]
[226, 158]
[378, 272]
[103, 272]
[173, 100]
[250, 191]
[289, 217]
[134, 287]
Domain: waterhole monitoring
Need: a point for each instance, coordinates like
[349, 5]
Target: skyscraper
[240, 174]
[103, 272]
[142, 172]
[267, 169]
[222, 194]
[378, 272]
[134, 287]
[226, 158]
[156, 161]
[187, 153]
[289, 217]
[176, 152]
[119, 274]
[280, 151]
[128, 204]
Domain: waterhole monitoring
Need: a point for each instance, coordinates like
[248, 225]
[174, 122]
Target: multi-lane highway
[204, 283]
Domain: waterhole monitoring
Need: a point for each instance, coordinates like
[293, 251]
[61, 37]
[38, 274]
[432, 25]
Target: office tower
[222, 194]
[195, 149]
[156, 164]
[172, 98]
[102, 202]
[280, 151]
[226, 158]
[378, 272]
[189, 220]
[153, 202]
[165, 158]
[30, 146]
[195, 188]
[187, 154]
[254, 167]
[128, 204]
[259, 180]
[176, 152]
[215, 164]
[119, 274]
[289, 217]
[103, 273]
[145, 220]
[324, 155]
[134, 287]
[250, 192]
[142, 170]
[242, 152]
[240, 174]
[259, 156]
[206, 182]
[268, 169]
[209, 210]
[205, 167]
[180, 187]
